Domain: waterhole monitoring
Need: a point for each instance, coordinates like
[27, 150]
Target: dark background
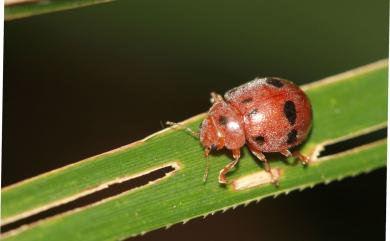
[81, 82]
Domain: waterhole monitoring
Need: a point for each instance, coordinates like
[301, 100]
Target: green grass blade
[345, 105]
[15, 9]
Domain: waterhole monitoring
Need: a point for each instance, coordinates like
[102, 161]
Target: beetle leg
[207, 152]
[266, 165]
[228, 167]
[215, 97]
[304, 159]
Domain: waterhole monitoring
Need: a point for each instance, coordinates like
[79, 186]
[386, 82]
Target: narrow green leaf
[15, 9]
[345, 105]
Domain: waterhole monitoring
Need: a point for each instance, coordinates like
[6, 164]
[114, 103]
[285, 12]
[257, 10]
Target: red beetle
[268, 114]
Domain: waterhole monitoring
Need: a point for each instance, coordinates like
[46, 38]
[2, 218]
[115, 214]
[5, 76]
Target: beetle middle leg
[304, 159]
[228, 167]
[266, 165]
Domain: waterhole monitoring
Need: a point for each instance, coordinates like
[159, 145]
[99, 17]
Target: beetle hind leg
[305, 160]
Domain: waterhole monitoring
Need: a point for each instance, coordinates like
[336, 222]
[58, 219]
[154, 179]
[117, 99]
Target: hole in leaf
[353, 142]
[108, 192]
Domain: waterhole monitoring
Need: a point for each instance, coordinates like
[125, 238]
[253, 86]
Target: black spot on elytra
[290, 112]
[253, 112]
[292, 136]
[222, 120]
[275, 82]
[259, 140]
[247, 100]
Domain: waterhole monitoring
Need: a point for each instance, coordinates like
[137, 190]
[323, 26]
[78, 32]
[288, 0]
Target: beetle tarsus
[305, 160]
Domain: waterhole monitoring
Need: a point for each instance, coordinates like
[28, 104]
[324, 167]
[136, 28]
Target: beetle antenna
[189, 130]
[206, 171]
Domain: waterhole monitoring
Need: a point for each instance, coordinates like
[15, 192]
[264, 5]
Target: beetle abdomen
[277, 113]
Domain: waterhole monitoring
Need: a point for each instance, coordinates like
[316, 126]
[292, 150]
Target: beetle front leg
[228, 167]
[215, 97]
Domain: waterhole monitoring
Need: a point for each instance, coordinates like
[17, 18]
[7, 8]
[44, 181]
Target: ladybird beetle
[268, 114]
